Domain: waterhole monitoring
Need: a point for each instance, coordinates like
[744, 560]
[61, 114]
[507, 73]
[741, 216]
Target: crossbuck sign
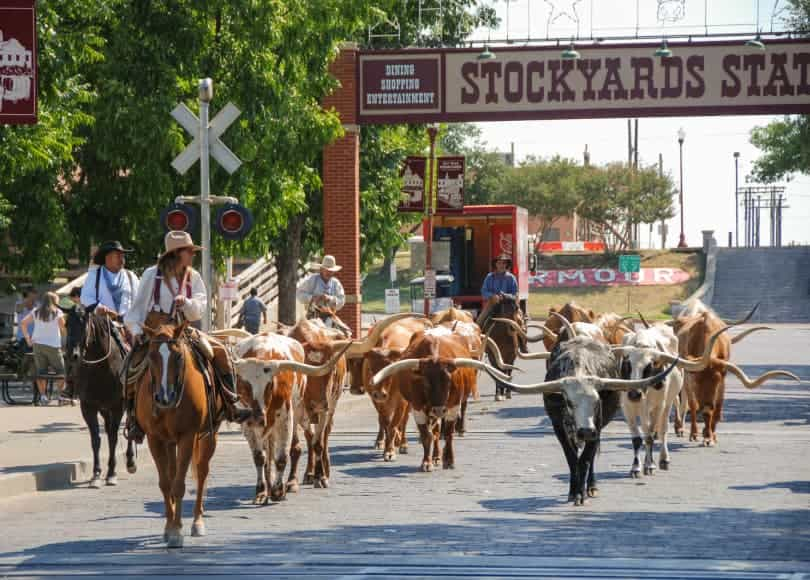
[217, 149]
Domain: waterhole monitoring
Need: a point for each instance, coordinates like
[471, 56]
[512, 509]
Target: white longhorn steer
[647, 412]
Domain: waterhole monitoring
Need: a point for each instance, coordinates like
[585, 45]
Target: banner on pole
[413, 185]
[450, 185]
[18, 62]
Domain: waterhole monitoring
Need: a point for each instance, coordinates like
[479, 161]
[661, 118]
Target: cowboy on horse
[169, 290]
[323, 294]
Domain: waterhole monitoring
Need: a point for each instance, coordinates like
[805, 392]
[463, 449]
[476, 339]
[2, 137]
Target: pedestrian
[23, 308]
[46, 340]
[253, 312]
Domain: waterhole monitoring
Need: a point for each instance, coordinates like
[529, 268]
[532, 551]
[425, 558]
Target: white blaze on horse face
[164, 375]
[584, 399]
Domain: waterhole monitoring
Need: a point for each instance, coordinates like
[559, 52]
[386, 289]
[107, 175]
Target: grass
[652, 301]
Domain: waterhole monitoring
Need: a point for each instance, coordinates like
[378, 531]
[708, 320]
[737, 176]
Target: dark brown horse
[179, 416]
[96, 376]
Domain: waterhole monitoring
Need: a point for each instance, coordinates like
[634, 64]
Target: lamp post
[432, 130]
[681, 137]
[737, 198]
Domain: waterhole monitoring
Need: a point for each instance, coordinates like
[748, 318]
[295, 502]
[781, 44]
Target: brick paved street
[739, 510]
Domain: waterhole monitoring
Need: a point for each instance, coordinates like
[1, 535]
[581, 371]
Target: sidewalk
[44, 448]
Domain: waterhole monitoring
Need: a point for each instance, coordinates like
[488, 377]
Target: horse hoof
[593, 492]
[112, 480]
[260, 499]
[309, 479]
[292, 486]
[198, 529]
[664, 465]
[175, 540]
[95, 483]
[635, 473]
[132, 468]
[427, 466]
[379, 445]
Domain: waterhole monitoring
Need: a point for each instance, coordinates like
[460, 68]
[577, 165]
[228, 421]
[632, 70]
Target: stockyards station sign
[708, 78]
[18, 62]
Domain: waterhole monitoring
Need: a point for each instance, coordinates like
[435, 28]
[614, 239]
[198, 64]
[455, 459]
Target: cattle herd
[428, 368]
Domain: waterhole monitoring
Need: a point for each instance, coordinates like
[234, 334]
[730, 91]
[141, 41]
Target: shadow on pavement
[793, 486]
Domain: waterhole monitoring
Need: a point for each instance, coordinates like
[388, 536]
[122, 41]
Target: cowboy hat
[107, 247]
[329, 263]
[178, 240]
[503, 258]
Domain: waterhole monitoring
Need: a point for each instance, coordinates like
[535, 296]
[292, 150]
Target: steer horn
[634, 384]
[279, 366]
[408, 364]
[492, 348]
[757, 382]
[643, 320]
[748, 331]
[230, 333]
[746, 319]
[358, 348]
[471, 363]
[546, 331]
[571, 332]
[694, 366]
[516, 327]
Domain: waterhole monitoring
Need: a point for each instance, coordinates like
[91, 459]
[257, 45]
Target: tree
[37, 161]
[785, 144]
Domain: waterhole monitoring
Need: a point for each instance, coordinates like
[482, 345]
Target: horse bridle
[109, 346]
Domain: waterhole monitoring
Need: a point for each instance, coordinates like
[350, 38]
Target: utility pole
[663, 222]
[737, 198]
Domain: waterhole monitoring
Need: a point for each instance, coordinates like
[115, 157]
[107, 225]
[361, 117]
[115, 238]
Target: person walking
[253, 312]
[46, 340]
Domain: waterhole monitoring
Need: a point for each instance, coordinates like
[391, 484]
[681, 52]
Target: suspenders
[156, 293]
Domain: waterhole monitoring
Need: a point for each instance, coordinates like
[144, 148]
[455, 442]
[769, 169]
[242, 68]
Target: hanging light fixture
[663, 51]
[755, 42]
[486, 54]
[570, 53]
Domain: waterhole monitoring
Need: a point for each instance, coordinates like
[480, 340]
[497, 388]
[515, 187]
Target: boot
[132, 430]
[235, 409]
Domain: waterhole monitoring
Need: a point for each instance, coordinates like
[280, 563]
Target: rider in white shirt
[109, 287]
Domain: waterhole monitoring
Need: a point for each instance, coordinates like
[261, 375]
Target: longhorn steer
[647, 413]
[705, 386]
[271, 378]
[581, 396]
[435, 372]
[316, 415]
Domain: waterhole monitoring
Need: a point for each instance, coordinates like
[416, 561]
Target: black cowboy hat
[107, 247]
[503, 257]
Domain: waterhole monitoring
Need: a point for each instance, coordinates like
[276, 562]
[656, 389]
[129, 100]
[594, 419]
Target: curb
[67, 474]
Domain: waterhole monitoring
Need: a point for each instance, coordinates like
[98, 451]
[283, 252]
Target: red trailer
[476, 236]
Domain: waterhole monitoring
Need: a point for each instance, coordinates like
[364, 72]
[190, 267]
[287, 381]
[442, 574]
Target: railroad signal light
[233, 221]
[178, 217]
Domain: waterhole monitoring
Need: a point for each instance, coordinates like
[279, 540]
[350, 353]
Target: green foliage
[785, 144]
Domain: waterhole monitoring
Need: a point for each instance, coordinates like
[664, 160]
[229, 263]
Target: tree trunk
[287, 260]
[385, 270]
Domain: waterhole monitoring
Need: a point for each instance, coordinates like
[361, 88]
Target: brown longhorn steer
[316, 415]
[272, 378]
[706, 387]
[435, 373]
[571, 312]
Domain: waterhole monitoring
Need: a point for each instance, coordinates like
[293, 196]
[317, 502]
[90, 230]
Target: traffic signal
[233, 221]
[178, 217]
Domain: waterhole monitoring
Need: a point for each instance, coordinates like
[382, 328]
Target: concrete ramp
[779, 278]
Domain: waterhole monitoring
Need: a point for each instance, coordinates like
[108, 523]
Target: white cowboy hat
[179, 240]
[328, 263]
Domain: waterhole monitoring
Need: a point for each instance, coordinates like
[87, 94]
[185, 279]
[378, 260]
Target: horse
[96, 378]
[178, 413]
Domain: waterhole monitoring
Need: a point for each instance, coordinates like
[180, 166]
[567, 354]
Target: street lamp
[737, 198]
[681, 137]
[432, 130]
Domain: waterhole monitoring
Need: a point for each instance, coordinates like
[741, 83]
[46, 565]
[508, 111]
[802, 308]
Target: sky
[708, 181]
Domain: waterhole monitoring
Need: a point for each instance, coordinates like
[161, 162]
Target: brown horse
[173, 407]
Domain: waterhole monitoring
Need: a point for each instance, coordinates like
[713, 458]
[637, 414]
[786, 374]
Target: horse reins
[109, 347]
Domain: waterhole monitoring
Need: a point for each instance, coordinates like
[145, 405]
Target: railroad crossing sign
[217, 149]
[629, 263]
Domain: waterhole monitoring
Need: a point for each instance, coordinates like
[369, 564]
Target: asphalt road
[739, 510]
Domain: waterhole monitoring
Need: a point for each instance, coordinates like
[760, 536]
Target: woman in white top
[49, 325]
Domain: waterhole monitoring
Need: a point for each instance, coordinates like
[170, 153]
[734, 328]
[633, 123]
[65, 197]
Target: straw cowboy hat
[106, 248]
[329, 263]
[178, 240]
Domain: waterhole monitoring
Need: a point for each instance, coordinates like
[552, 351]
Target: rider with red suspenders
[171, 288]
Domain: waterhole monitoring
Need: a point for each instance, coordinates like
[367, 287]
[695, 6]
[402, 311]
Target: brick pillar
[341, 186]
